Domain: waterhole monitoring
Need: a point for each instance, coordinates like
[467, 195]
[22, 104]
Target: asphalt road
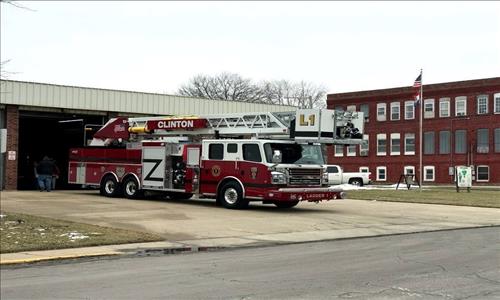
[457, 264]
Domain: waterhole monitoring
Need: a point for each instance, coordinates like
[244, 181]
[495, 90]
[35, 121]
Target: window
[381, 173]
[332, 169]
[444, 107]
[497, 140]
[483, 173]
[381, 144]
[496, 103]
[363, 148]
[395, 144]
[395, 111]
[461, 106]
[482, 140]
[365, 108]
[460, 141]
[444, 142]
[409, 170]
[215, 151]
[409, 144]
[339, 150]
[232, 148]
[429, 108]
[339, 108]
[351, 108]
[409, 110]
[381, 111]
[482, 104]
[429, 173]
[351, 150]
[251, 152]
[364, 169]
[429, 142]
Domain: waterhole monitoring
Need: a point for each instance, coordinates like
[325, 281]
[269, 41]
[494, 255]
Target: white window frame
[429, 114]
[338, 154]
[477, 173]
[411, 105]
[433, 173]
[349, 150]
[412, 168]
[385, 173]
[479, 98]
[458, 100]
[363, 148]
[398, 106]
[383, 117]
[441, 102]
[364, 169]
[393, 137]
[496, 102]
[408, 135]
[382, 136]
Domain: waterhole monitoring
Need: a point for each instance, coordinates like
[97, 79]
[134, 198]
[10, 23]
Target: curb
[59, 257]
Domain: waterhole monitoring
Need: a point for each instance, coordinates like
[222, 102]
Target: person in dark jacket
[45, 169]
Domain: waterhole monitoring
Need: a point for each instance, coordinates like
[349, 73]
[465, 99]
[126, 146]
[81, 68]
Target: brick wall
[12, 125]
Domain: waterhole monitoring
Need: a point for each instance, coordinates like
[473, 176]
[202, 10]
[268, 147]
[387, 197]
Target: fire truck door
[153, 166]
[193, 170]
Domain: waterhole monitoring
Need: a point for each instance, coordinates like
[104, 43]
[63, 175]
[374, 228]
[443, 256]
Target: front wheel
[131, 188]
[231, 196]
[285, 204]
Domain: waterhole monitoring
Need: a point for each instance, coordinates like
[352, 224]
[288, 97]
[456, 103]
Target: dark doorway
[49, 134]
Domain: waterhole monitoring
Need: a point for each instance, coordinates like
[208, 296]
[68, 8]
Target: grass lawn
[477, 197]
[19, 232]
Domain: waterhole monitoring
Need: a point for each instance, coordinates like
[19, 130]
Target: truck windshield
[295, 153]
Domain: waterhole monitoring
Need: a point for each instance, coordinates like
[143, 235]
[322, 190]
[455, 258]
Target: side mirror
[277, 156]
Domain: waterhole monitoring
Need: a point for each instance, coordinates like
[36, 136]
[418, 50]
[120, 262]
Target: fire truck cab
[234, 159]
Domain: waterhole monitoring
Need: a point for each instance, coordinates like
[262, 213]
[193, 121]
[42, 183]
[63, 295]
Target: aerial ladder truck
[235, 158]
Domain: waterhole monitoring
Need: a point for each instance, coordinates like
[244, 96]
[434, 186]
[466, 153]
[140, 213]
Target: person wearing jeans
[45, 169]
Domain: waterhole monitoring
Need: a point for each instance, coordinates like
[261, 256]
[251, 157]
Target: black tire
[285, 204]
[179, 196]
[231, 196]
[356, 181]
[131, 188]
[109, 186]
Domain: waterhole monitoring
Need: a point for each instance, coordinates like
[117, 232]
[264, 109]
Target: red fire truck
[234, 158]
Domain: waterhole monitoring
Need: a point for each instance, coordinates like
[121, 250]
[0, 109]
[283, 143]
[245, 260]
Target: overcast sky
[156, 46]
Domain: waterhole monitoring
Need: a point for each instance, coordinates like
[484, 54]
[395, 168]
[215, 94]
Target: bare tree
[224, 86]
[302, 94]
[16, 4]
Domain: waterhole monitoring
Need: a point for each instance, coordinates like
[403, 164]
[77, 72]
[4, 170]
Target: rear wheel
[231, 196]
[131, 188]
[109, 186]
[356, 181]
[285, 204]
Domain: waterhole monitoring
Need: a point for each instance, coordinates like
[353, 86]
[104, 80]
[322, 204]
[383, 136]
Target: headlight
[325, 177]
[278, 178]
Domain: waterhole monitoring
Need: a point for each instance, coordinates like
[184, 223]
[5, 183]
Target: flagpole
[420, 128]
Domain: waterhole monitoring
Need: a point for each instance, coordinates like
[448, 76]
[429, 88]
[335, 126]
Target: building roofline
[435, 87]
[139, 92]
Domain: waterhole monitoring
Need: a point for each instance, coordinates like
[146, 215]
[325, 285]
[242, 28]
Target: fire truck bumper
[306, 194]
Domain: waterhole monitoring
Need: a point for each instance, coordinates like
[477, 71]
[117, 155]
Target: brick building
[461, 126]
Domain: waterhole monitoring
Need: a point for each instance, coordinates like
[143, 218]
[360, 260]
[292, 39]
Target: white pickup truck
[337, 176]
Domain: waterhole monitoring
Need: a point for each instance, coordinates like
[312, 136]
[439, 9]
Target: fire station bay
[461, 126]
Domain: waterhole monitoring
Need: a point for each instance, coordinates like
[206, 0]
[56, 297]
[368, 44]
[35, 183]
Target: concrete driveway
[200, 222]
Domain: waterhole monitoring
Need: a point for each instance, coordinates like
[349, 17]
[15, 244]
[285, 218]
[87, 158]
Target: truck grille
[305, 176]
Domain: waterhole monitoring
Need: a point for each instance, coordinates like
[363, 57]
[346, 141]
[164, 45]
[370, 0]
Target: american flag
[418, 81]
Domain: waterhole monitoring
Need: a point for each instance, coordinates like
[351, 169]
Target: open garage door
[50, 134]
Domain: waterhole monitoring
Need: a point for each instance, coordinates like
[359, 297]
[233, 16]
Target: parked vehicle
[336, 175]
